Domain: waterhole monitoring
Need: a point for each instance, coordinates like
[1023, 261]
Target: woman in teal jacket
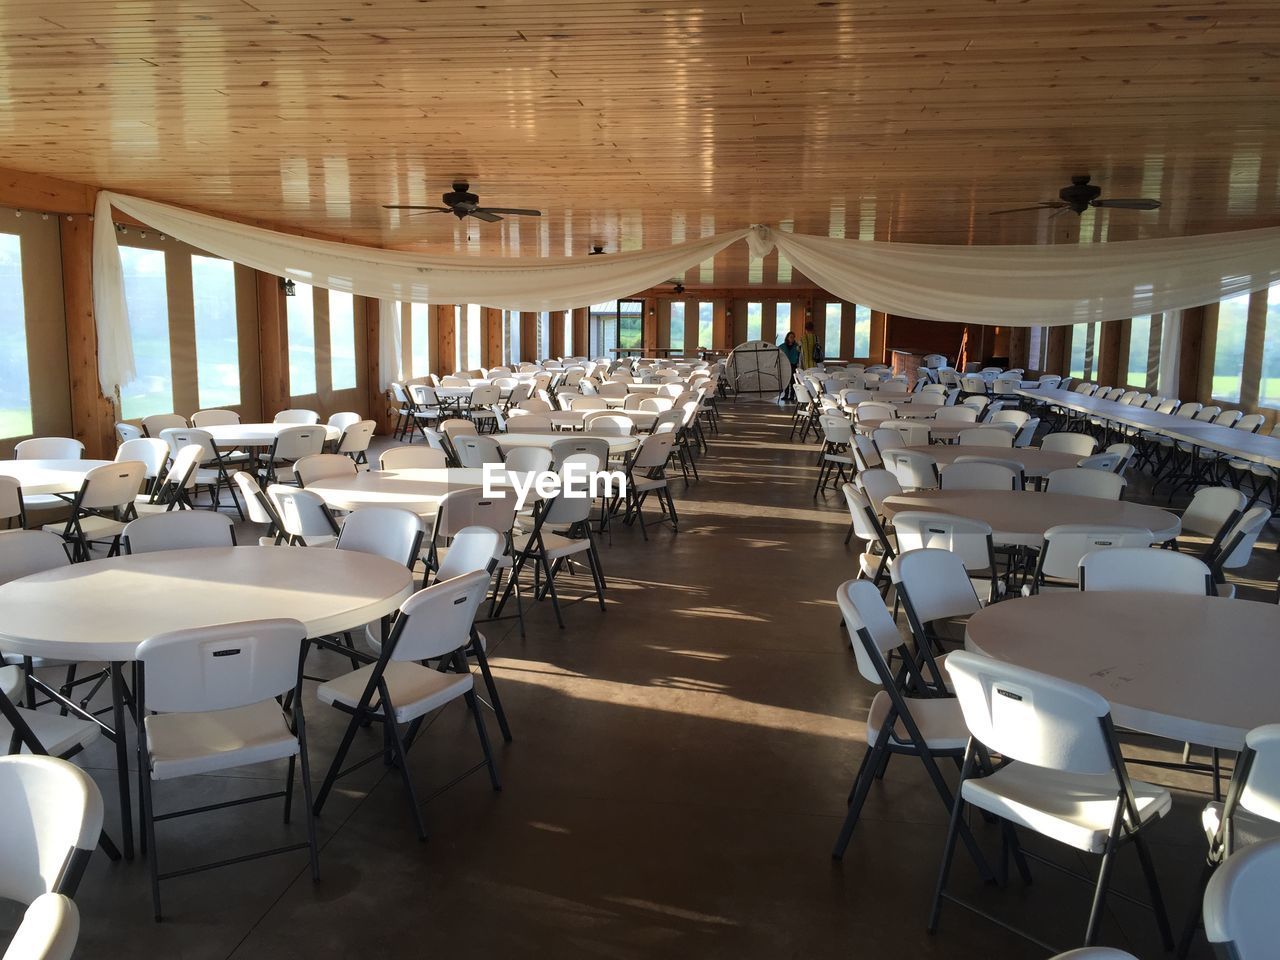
[790, 348]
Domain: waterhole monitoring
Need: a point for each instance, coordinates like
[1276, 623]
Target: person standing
[790, 348]
[810, 349]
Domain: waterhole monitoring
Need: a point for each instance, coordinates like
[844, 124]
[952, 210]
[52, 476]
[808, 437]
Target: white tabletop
[49, 476]
[1020, 517]
[418, 490]
[1200, 669]
[1035, 462]
[937, 428]
[260, 434]
[617, 445]
[643, 419]
[102, 610]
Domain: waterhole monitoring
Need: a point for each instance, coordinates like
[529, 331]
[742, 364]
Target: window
[831, 344]
[213, 294]
[782, 321]
[602, 329]
[473, 337]
[631, 324]
[301, 323]
[1083, 338]
[1035, 348]
[419, 340]
[147, 296]
[1228, 352]
[861, 331]
[705, 326]
[544, 336]
[511, 337]
[568, 333]
[15, 376]
[1269, 387]
[1139, 352]
[755, 321]
[342, 341]
[676, 340]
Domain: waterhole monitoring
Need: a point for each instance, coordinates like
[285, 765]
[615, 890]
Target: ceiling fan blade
[1044, 205]
[486, 215]
[1059, 212]
[513, 211]
[397, 206]
[1145, 203]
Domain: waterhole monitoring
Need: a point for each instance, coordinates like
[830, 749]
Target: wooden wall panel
[581, 336]
[375, 402]
[273, 340]
[557, 333]
[1106, 363]
[93, 415]
[444, 357]
[491, 331]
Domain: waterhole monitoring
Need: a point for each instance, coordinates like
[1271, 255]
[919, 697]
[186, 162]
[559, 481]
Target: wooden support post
[1107, 365]
[444, 317]
[491, 334]
[92, 414]
[581, 346]
[557, 334]
[528, 336]
[273, 340]
[1056, 356]
[375, 399]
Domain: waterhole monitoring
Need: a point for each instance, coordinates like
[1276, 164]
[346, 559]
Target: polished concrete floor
[677, 777]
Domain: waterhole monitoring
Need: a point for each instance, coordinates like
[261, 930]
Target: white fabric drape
[389, 355]
[1022, 286]
[110, 311]
[1170, 350]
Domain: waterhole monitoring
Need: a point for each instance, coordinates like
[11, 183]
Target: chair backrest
[1147, 571]
[1080, 482]
[469, 507]
[561, 450]
[302, 513]
[1211, 509]
[914, 433]
[320, 466]
[221, 667]
[874, 411]
[1250, 422]
[588, 403]
[1237, 544]
[357, 437]
[203, 419]
[914, 469]
[861, 513]
[970, 540]
[534, 405]
[294, 443]
[1032, 717]
[1108, 461]
[980, 475]
[1026, 433]
[528, 459]
[260, 507]
[654, 451]
[48, 448]
[836, 428]
[344, 420]
[486, 395]
[886, 438]
[936, 582]
[1125, 451]
[960, 414]
[179, 530]
[125, 432]
[1255, 786]
[608, 424]
[52, 809]
[306, 417]
[986, 437]
[383, 531]
[1066, 544]
[412, 458]
[157, 422]
[112, 485]
[437, 620]
[868, 619]
[1081, 444]
[49, 930]
[878, 484]
[152, 451]
[179, 437]
[475, 450]
[1240, 903]
[472, 549]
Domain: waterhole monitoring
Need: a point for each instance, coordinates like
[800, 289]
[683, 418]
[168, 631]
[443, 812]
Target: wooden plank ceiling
[640, 123]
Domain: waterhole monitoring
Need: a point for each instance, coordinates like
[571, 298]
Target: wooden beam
[1056, 356]
[445, 317]
[1107, 355]
[557, 333]
[528, 336]
[92, 414]
[491, 334]
[581, 333]
[375, 399]
[273, 341]
[34, 191]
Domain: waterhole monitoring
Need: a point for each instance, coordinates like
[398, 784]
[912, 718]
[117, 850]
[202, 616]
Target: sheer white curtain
[389, 353]
[110, 312]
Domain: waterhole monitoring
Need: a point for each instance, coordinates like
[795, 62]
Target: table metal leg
[122, 758]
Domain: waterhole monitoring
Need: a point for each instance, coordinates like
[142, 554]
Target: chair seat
[643, 484]
[57, 734]
[94, 527]
[1247, 828]
[939, 719]
[1076, 809]
[182, 744]
[415, 689]
[870, 563]
[1260, 469]
[43, 501]
[11, 682]
[555, 545]
[1226, 590]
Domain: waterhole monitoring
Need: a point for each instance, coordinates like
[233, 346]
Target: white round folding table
[102, 610]
[49, 476]
[1035, 462]
[1020, 517]
[1189, 668]
[573, 419]
[617, 445]
[260, 434]
[420, 491]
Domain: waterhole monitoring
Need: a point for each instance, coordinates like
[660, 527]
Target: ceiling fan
[462, 204]
[1082, 195]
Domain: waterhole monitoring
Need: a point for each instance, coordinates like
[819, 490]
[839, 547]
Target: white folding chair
[957, 414]
[646, 475]
[476, 450]
[970, 540]
[914, 433]
[304, 417]
[836, 455]
[434, 624]
[1082, 482]
[1240, 906]
[208, 697]
[879, 484]
[344, 420]
[1026, 433]
[1107, 460]
[290, 445]
[204, 419]
[873, 563]
[986, 437]
[1236, 547]
[1139, 570]
[49, 930]
[530, 423]
[101, 508]
[305, 519]
[355, 440]
[1058, 565]
[1081, 444]
[1064, 777]
[1211, 513]
[932, 585]
[127, 431]
[980, 475]
[178, 530]
[323, 466]
[155, 424]
[608, 424]
[914, 469]
[412, 458]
